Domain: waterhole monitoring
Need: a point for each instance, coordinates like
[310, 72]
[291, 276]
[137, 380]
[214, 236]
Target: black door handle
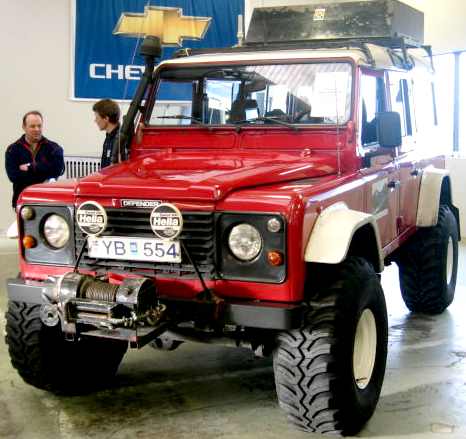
[393, 184]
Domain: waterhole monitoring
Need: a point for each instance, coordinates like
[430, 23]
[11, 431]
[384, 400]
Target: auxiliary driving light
[274, 225]
[27, 213]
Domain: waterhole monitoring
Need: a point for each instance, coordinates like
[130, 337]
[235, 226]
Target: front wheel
[329, 373]
[44, 359]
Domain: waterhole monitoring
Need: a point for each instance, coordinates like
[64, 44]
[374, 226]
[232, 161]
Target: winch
[128, 311]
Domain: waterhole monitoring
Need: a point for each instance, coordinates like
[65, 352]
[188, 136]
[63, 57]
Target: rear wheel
[44, 359]
[428, 266]
[329, 373]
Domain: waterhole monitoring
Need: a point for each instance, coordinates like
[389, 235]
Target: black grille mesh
[198, 236]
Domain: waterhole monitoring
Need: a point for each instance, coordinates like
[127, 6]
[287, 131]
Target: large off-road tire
[428, 266]
[44, 359]
[329, 373]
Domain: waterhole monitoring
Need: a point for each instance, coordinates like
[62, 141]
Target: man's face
[102, 122]
[33, 128]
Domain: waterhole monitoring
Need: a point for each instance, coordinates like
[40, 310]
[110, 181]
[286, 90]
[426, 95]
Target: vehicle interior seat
[243, 109]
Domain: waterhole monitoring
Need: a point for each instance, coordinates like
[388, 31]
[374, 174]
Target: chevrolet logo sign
[168, 24]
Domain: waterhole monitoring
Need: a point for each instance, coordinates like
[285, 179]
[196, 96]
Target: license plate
[133, 249]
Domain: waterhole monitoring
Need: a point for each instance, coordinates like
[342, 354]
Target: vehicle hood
[206, 176]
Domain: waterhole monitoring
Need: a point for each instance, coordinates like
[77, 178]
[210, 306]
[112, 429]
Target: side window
[401, 103]
[425, 111]
[372, 102]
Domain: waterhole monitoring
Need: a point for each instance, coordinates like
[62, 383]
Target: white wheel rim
[365, 348]
[450, 260]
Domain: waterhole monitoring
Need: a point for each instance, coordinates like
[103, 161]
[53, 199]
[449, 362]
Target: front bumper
[253, 314]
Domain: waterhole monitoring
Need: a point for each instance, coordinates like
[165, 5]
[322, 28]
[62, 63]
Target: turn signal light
[29, 241]
[275, 258]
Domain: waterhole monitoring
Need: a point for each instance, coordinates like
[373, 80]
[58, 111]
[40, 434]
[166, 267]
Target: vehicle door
[379, 166]
[408, 161]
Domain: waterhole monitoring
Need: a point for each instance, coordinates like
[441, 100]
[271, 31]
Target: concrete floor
[210, 392]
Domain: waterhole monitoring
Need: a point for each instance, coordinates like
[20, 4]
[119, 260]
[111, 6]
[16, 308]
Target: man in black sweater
[32, 158]
[107, 118]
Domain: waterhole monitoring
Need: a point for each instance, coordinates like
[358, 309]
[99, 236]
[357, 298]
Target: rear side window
[401, 103]
[425, 106]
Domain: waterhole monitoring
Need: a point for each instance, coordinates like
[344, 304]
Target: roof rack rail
[393, 43]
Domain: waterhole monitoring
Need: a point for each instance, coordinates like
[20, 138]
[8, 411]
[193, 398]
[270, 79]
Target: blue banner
[108, 66]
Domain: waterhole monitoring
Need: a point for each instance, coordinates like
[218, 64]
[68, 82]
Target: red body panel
[202, 176]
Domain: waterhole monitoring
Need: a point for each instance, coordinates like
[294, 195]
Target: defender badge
[91, 218]
[166, 221]
[140, 204]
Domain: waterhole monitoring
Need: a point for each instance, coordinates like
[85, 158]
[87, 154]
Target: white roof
[380, 54]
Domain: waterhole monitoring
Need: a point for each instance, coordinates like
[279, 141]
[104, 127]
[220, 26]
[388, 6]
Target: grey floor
[209, 392]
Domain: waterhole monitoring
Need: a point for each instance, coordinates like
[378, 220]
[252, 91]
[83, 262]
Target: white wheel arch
[333, 232]
[429, 196]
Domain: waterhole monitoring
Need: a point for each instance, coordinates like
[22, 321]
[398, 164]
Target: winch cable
[196, 268]
[81, 252]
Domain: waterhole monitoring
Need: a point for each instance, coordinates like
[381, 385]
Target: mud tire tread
[422, 266]
[308, 374]
[45, 360]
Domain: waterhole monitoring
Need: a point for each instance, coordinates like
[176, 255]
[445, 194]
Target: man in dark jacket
[32, 158]
[107, 118]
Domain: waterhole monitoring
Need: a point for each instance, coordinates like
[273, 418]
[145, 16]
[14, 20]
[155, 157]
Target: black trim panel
[265, 315]
[29, 292]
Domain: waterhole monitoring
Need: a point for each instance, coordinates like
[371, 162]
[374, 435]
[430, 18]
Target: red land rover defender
[264, 190]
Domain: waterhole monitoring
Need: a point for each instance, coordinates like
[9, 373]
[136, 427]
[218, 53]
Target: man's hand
[24, 167]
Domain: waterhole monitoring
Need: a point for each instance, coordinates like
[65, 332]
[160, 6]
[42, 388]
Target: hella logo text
[164, 221]
[90, 218]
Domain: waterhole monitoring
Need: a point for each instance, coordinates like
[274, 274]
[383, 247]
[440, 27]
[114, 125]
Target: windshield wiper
[268, 119]
[182, 117]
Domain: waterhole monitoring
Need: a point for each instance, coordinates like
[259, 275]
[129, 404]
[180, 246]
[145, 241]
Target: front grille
[198, 236]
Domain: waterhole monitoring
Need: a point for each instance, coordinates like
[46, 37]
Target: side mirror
[389, 129]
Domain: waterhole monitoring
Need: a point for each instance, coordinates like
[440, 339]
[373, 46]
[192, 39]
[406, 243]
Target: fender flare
[429, 196]
[333, 233]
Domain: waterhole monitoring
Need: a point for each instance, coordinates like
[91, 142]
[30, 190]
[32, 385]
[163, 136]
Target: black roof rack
[322, 24]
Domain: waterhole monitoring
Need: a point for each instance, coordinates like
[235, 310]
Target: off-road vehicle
[260, 192]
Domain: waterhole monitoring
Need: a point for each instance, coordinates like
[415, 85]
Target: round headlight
[56, 231]
[245, 242]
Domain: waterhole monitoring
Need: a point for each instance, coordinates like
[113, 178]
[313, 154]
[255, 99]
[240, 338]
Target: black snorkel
[151, 49]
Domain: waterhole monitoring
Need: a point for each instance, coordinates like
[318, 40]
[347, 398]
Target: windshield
[318, 93]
